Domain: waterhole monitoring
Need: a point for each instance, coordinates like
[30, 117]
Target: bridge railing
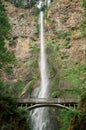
[48, 100]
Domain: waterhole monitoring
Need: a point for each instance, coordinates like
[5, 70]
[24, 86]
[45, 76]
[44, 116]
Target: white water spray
[44, 93]
[48, 2]
[39, 116]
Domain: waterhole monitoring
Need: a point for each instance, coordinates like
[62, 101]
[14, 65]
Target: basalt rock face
[22, 32]
[67, 14]
[62, 16]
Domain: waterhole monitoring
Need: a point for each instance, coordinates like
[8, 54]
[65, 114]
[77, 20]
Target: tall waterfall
[39, 116]
[43, 66]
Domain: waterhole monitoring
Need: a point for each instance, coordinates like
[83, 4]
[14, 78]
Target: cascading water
[44, 92]
[48, 2]
[39, 117]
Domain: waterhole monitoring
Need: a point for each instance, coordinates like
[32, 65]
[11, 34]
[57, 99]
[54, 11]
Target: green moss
[64, 35]
[4, 24]
[83, 23]
[67, 116]
[6, 57]
[76, 75]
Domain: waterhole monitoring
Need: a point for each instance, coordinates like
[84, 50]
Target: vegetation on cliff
[66, 56]
[7, 59]
[11, 117]
[83, 24]
[77, 119]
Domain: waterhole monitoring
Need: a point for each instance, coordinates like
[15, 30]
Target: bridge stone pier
[33, 103]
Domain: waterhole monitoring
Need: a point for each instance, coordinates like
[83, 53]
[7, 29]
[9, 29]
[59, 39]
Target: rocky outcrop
[23, 30]
[63, 16]
[66, 16]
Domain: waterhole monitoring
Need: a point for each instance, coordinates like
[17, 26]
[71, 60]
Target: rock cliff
[62, 28]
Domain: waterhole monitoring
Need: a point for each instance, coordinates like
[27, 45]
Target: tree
[6, 57]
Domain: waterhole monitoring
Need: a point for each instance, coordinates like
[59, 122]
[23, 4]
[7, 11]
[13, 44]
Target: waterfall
[48, 2]
[40, 116]
[43, 66]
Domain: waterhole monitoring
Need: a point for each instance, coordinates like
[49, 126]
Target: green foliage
[52, 50]
[64, 35]
[33, 62]
[5, 88]
[76, 74]
[33, 67]
[83, 23]
[4, 25]
[84, 3]
[56, 94]
[17, 88]
[66, 117]
[83, 96]
[82, 103]
[6, 57]
[36, 11]
[52, 57]
[12, 89]
[11, 117]
[75, 119]
[54, 66]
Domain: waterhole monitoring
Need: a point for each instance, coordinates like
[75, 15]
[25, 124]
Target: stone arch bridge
[33, 103]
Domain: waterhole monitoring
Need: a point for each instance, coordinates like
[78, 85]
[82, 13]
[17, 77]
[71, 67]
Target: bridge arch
[48, 105]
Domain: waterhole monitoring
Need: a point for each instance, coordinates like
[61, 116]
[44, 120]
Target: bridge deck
[48, 101]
